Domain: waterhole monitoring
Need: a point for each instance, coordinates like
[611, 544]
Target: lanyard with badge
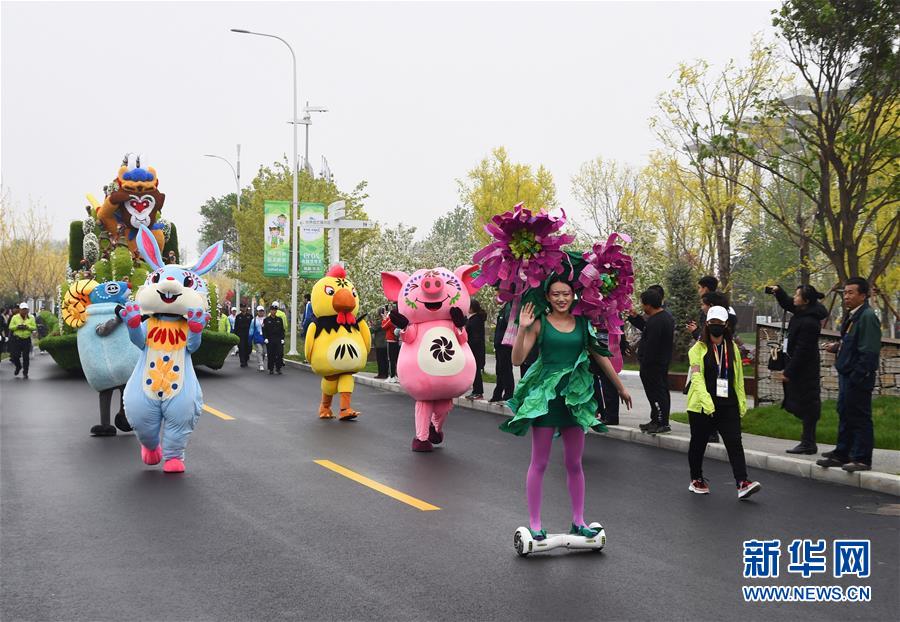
[721, 360]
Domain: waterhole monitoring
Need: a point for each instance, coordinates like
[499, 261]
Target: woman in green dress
[557, 393]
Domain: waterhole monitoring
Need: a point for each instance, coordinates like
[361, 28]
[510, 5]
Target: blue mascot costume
[106, 354]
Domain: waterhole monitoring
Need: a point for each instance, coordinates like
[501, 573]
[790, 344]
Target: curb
[869, 480]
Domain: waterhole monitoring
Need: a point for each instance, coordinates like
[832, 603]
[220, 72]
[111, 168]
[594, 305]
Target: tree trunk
[723, 256]
[804, 261]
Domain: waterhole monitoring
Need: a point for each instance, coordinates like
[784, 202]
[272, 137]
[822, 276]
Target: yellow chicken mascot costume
[337, 345]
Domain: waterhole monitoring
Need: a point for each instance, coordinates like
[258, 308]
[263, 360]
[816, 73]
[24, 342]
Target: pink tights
[573, 448]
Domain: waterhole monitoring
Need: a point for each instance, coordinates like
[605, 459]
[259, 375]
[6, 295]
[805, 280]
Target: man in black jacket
[273, 331]
[654, 355]
[242, 329]
[475, 334]
[506, 383]
[857, 366]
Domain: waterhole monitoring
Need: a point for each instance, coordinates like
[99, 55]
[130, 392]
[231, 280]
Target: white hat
[260, 308]
[717, 313]
[23, 305]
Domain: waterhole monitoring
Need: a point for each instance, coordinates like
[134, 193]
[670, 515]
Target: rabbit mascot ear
[149, 249]
[209, 258]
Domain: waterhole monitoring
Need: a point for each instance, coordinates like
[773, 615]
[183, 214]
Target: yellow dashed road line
[385, 490]
[217, 413]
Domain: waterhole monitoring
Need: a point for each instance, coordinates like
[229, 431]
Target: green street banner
[277, 238]
[311, 242]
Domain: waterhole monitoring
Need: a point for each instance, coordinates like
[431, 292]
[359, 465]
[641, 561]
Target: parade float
[102, 249]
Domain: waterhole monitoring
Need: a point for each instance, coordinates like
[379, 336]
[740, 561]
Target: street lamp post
[293, 343]
[307, 121]
[237, 182]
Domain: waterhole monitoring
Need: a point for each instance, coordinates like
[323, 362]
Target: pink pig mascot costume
[435, 363]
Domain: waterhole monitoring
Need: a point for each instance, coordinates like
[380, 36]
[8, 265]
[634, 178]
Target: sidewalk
[762, 452]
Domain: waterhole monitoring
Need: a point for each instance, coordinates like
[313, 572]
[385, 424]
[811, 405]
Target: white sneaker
[699, 486]
[261, 368]
[747, 488]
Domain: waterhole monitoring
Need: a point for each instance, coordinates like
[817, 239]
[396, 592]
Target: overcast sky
[417, 92]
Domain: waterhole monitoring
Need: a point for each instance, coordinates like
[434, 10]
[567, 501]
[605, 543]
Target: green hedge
[76, 240]
[214, 348]
[212, 352]
[63, 349]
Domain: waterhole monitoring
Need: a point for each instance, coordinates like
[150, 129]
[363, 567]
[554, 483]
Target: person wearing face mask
[716, 401]
[801, 376]
[710, 299]
[557, 393]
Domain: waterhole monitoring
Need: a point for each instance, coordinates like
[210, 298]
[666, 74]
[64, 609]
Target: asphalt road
[256, 530]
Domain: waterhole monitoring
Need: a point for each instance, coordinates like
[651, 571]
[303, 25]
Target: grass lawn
[777, 423]
[749, 339]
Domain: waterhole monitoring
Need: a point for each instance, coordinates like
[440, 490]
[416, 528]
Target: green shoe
[538, 535]
[587, 532]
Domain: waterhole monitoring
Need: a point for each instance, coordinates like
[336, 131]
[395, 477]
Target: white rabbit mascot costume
[166, 322]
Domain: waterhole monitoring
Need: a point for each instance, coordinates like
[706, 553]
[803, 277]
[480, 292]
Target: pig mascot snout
[435, 363]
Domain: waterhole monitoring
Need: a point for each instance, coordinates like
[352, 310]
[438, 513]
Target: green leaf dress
[558, 389]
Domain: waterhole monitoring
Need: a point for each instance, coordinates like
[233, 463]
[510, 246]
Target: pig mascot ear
[392, 283]
[464, 274]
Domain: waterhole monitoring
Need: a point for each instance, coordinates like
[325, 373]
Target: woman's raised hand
[526, 315]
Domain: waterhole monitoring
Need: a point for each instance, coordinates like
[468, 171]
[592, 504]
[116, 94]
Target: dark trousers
[478, 382]
[656, 386]
[106, 407]
[809, 418]
[727, 420]
[607, 397]
[393, 350]
[506, 383]
[20, 352]
[381, 357]
[244, 349]
[275, 354]
[856, 436]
